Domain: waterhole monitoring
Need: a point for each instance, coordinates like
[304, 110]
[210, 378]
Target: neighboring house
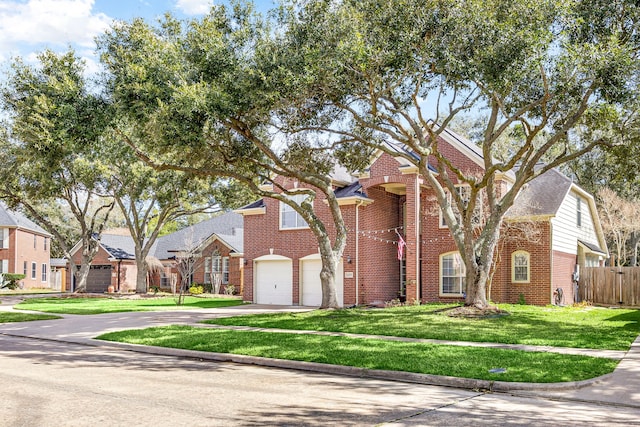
[24, 248]
[216, 245]
[390, 199]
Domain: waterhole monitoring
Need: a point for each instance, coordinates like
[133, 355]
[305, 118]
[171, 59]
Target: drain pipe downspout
[358, 204]
[119, 262]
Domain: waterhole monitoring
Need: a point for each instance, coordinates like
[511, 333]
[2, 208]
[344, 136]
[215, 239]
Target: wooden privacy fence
[610, 285]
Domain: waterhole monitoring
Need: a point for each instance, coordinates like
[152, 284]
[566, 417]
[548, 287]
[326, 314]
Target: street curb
[400, 376]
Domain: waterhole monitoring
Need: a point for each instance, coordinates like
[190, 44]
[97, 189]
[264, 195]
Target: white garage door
[274, 282]
[311, 286]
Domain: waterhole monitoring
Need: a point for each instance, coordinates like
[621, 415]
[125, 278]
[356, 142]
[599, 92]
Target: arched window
[452, 275]
[520, 267]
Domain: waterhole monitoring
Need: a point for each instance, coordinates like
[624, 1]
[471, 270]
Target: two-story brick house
[390, 201]
[24, 248]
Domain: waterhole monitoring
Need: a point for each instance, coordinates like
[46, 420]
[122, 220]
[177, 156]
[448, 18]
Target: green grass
[9, 317]
[116, 305]
[589, 327]
[464, 362]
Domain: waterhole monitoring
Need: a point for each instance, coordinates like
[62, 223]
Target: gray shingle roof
[229, 224]
[228, 227]
[119, 247]
[10, 218]
[352, 190]
[542, 196]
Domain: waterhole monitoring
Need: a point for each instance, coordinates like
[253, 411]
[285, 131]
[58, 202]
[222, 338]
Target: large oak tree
[556, 77]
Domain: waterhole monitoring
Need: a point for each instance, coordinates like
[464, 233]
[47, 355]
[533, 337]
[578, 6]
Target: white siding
[566, 232]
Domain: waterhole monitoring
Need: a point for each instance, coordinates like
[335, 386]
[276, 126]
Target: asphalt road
[45, 383]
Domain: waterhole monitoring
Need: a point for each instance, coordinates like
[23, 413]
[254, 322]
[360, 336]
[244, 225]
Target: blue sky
[29, 26]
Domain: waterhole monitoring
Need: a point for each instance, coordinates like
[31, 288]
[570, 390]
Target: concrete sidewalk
[622, 387]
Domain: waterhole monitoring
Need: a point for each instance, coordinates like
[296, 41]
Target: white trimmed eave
[591, 201]
[352, 200]
[251, 211]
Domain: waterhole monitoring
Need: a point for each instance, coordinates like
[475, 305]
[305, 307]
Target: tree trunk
[81, 276]
[328, 281]
[141, 277]
[477, 289]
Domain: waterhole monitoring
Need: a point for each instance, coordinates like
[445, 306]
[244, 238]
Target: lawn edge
[400, 376]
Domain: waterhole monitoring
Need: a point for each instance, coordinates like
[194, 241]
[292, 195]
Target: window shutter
[5, 238]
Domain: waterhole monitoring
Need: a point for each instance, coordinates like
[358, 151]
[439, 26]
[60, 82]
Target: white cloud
[194, 7]
[52, 23]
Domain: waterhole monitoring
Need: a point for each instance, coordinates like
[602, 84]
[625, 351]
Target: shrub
[196, 289]
[11, 280]
[229, 289]
[208, 288]
[521, 300]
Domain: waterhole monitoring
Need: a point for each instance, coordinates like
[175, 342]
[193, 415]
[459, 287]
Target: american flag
[401, 245]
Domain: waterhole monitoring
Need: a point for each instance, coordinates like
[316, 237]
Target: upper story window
[465, 193]
[520, 267]
[4, 238]
[289, 218]
[578, 211]
[452, 275]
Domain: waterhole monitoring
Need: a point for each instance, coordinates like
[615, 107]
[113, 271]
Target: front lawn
[79, 305]
[585, 327]
[10, 316]
[464, 362]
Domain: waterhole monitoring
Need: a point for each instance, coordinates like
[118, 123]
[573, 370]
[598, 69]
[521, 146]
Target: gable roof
[228, 227]
[13, 219]
[118, 246]
[542, 196]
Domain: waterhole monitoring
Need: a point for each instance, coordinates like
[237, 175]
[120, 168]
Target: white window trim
[4, 243]
[207, 270]
[578, 212]
[284, 206]
[440, 276]
[513, 266]
[225, 270]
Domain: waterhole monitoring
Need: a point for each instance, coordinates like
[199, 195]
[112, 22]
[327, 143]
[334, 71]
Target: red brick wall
[435, 242]
[379, 274]
[224, 251]
[538, 290]
[21, 249]
[262, 234]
